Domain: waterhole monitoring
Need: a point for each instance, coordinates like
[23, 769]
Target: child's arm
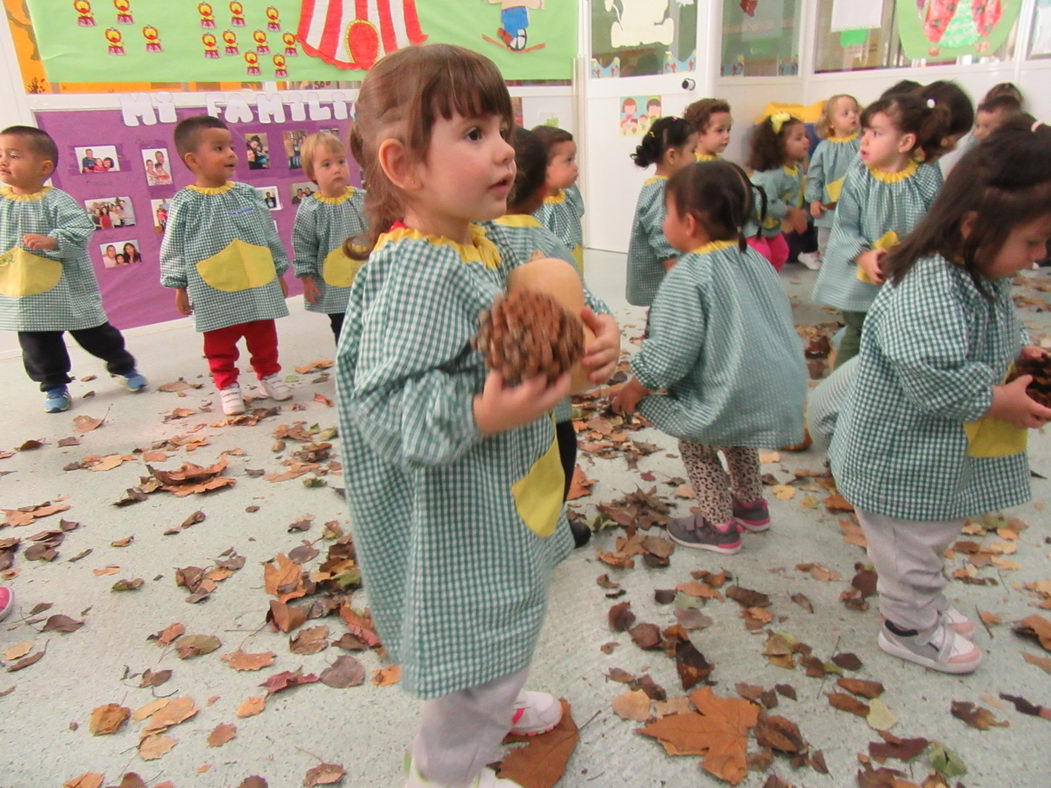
[846, 227]
[173, 261]
[678, 323]
[305, 251]
[815, 182]
[769, 180]
[72, 229]
[652, 220]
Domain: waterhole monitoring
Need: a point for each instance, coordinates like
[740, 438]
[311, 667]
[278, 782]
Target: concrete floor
[47, 707]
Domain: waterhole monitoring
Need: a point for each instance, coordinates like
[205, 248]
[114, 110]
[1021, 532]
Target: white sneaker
[811, 260]
[535, 713]
[275, 388]
[958, 621]
[486, 779]
[232, 401]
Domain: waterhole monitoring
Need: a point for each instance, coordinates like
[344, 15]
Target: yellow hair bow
[778, 120]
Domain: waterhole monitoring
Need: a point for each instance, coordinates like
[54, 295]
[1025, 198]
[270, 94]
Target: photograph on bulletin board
[760, 39]
[97, 158]
[270, 197]
[159, 211]
[632, 38]
[947, 28]
[118, 253]
[637, 114]
[157, 165]
[111, 212]
[299, 191]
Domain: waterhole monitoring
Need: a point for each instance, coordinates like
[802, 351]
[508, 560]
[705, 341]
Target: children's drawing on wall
[367, 27]
[159, 211]
[950, 28]
[637, 114]
[110, 212]
[120, 253]
[158, 166]
[257, 151]
[514, 25]
[97, 158]
[632, 38]
[270, 197]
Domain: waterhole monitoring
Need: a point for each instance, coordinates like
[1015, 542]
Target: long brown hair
[401, 98]
[1004, 182]
[766, 147]
[910, 114]
[717, 194]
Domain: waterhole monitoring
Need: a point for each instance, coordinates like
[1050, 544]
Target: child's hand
[500, 407]
[669, 263]
[284, 287]
[182, 302]
[1032, 353]
[817, 210]
[626, 399]
[310, 290]
[601, 355]
[1012, 404]
[870, 263]
[34, 241]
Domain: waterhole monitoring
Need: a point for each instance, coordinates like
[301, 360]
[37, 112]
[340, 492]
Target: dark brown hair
[401, 98]
[715, 193]
[911, 114]
[951, 96]
[665, 133]
[902, 87]
[551, 136]
[1005, 181]
[699, 113]
[530, 167]
[188, 132]
[1005, 89]
[1003, 102]
[39, 141]
[766, 147]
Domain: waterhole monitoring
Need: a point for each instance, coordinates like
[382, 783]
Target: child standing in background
[992, 113]
[723, 344]
[886, 192]
[777, 150]
[563, 207]
[222, 256]
[48, 286]
[465, 465]
[324, 222]
[712, 121]
[835, 153]
[670, 146]
[929, 435]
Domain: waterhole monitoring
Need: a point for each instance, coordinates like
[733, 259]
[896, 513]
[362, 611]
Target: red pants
[773, 249]
[220, 348]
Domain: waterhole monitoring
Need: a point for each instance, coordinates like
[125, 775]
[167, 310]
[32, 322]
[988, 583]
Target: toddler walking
[563, 207]
[777, 149]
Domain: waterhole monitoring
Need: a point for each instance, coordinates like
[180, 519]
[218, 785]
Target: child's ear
[47, 167]
[398, 166]
[967, 223]
[190, 160]
[907, 143]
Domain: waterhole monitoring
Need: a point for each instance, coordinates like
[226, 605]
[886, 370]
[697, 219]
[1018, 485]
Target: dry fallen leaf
[221, 734]
[384, 677]
[323, 774]
[108, 719]
[251, 706]
[18, 650]
[86, 423]
[153, 747]
[1044, 663]
[976, 716]
[86, 780]
[542, 762]
[632, 705]
[344, 672]
[239, 660]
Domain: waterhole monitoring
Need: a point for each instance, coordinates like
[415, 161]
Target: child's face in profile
[562, 167]
[1025, 244]
[21, 167]
[214, 159]
[716, 135]
[796, 143]
[680, 231]
[985, 123]
[330, 172]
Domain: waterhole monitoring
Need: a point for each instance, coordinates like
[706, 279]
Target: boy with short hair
[47, 282]
[222, 256]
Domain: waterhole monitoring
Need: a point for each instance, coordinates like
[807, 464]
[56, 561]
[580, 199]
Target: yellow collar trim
[212, 189]
[480, 250]
[557, 197]
[351, 191]
[895, 177]
[9, 193]
[706, 156]
[518, 220]
[793, 170]
[849, 138]
[654, 179]
[713, 246]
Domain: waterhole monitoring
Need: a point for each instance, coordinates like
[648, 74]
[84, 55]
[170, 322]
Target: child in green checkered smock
[669, 145]
[930, 434]
[710, 118]
[324, 222]
[222, 255]
[453, 479]
[777, 154]
[563, 207]
[47, 282]
[829, 163]
[723, 349]
[885, 193]
[528, 239]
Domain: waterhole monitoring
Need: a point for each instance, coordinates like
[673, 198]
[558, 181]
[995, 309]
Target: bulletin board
[131, 291]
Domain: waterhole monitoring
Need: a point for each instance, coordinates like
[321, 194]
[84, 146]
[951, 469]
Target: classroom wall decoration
[950, 28]
[631, 38]
[760, 38]
[637, 114]
[126, 246]
[297, 40]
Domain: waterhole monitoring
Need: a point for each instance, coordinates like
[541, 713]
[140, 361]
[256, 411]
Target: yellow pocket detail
[578, 257]
[833, 190]
[538, 494]
[338, 270]
[991, 437]
[886, 241]
[240, 266]
[23, 273]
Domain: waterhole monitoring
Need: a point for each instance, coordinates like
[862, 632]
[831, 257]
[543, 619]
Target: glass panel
[760, 38]
[642, 38]
[1040, 44]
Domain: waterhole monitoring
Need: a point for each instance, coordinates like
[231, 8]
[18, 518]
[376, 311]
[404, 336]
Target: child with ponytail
[777, 149]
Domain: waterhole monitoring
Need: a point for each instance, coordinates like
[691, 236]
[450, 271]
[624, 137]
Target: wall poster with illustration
[632, 38]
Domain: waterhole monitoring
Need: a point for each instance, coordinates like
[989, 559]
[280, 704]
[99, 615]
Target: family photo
[110, 212]
[257, 152]
[97, 158]
[120, 253]
[159, 211]
[158, 167]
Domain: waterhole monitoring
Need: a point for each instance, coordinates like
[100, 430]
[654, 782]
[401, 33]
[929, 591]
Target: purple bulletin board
[132, 293]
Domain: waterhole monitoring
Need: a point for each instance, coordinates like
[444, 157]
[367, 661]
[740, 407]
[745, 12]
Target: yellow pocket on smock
[989, 437]
[833, 190]
[240, 266]
[886, 241]
[23, 273]
[538, 494]
[338, 270]
[578, 258]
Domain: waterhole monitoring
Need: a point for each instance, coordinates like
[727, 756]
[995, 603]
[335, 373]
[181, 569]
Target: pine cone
[1039, 387]
[526, 334]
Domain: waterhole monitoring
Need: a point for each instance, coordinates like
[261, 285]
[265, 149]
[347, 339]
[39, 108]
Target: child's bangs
[471, 89]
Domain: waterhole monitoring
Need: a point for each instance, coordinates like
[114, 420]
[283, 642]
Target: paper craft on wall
[632, 38]
[952, 28]
[637, 114]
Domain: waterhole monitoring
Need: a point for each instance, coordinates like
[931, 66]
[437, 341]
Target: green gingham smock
[225, 232]
[648, 248]
[456, 579]
[875, 210]
[322, 225]
[723, 344]
[525, 236]
[784, 188]
[561, 214]
[46, 290]
[932, 349]
[828, 169]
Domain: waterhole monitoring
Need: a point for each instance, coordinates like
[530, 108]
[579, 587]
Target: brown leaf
[239, 660]
[18, 650]
[168, 634]
[324, 773]
[84, 423]
[151, 679]
[779, 733]
[344, 672]
[646, 636]
[581, 485]
[282, 578]
[25, 662]
[310, 640]
[620, 617]
[286, 617]
[893, 747]
[253, 782]
[173, 712]
[976, 716]
[1037, 627]
[844, 702]
[251, 706]
[847, 661]
[221, 734]
[287, 679]
[803, 601]
[1024, 706]
[86, 780]
[866, 689]
[194, 645]
[127, 585]
[632, 705]
[1044, 663]
[61, 623]
[153, 747]
[542, 762]
[108, 719]
[384, 677]
[837, 503]
[746, 597]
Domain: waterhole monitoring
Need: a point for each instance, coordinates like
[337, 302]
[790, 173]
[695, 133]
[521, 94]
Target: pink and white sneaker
[535, 713]
[7, 602]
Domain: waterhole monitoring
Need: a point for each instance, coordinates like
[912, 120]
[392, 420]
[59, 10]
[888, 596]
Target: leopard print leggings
[711, 485]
